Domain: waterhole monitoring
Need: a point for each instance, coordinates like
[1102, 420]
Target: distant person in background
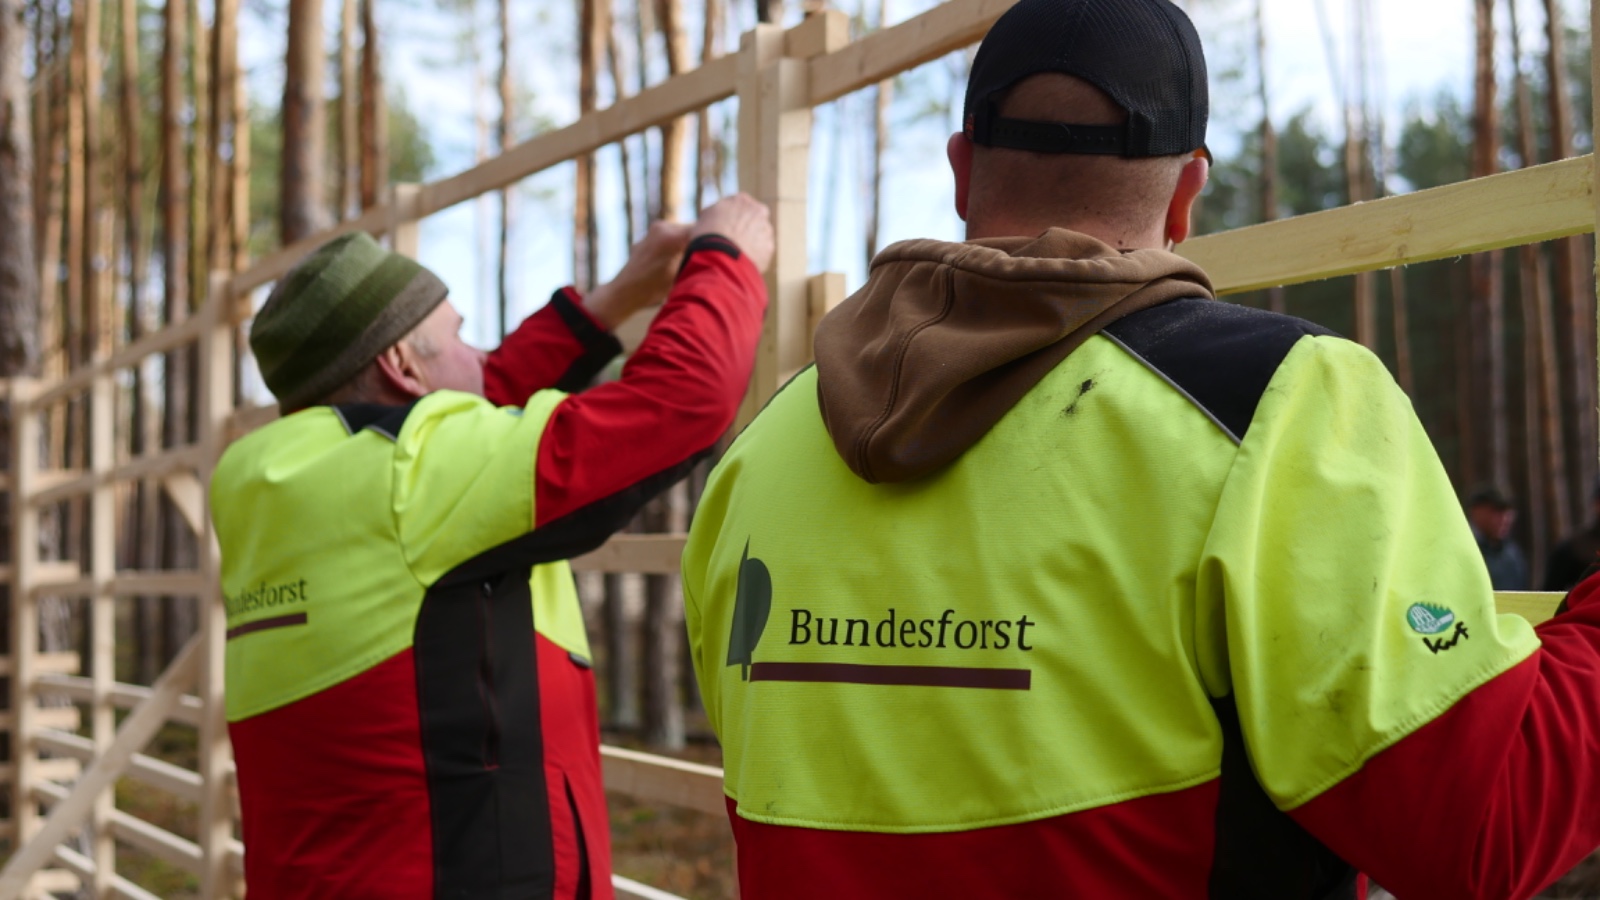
[1573, 556]
[1492, 514]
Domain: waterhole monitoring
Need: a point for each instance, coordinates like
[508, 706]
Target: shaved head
[1124, 202]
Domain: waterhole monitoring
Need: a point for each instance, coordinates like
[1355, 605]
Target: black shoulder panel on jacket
[385, 420]
[1219, 355]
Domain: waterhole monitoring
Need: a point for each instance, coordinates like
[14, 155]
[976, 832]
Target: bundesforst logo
[751, 606]
[1425, 618]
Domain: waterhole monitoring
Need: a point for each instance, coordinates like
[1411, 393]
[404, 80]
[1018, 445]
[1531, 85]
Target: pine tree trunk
[503, 132]
[19, 284]
[349, 187]
[663, 622]
[1574, 298]
[1276, 297]
[225, 133]
[706, 150]
[96, 337]
[374, 118]
[1487, 296]
[593, 23]
[883, 96]
[674, 134]
[1539, 347]
[301, 195]
[619, 83]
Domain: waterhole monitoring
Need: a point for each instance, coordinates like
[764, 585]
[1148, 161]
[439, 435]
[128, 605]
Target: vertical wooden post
[216, 405]
[774, 152]
[1594, 176]
[102, 613]
[24, 610]
[404, 233]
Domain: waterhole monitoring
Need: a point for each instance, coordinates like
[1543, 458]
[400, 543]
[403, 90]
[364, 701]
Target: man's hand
[646, 277]
[744, 220]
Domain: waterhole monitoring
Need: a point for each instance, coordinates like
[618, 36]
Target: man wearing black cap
[409, 694]
[1056, 577]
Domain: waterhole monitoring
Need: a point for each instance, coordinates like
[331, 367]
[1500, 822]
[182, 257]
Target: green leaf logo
[751, 607]
[1425, 618]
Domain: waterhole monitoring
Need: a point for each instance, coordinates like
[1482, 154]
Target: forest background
[144, 145]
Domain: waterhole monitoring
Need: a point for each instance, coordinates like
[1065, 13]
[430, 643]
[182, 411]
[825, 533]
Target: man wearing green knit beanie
[409, 693]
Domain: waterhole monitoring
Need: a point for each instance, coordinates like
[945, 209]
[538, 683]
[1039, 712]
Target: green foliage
[411, 158]
[1435, 143]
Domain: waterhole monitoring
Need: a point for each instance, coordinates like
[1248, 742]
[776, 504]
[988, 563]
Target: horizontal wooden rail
[63, 662]
[661, 779]
[698, 88]
[168, 338]
[133, 831]
[83, 867]
[123, 696]
[628, 889]
[886, 53]
[1507, 210]
[147, 770]
[66, 485]
[648, 554]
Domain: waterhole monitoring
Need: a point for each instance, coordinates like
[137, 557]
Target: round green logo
[1425, 618]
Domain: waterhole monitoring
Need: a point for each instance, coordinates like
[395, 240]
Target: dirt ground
[683, 852]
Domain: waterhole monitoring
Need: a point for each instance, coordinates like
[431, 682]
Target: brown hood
[945, 338]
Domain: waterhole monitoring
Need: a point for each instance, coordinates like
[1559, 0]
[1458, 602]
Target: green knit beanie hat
[335, 312]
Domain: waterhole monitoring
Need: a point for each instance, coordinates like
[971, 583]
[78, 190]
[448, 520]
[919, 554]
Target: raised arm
[608, 450]
[568, 341]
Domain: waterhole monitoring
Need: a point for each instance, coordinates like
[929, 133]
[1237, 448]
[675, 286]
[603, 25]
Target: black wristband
[714, 242]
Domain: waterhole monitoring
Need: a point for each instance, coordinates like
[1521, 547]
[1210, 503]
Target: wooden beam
[659, 779]
[651, 107]
[125, 696]
[136, 731]
[185, 492]
[147, 770]
[1507, 210]
[890, 51]
[628, 889]
[1535, 606]
[645, 554]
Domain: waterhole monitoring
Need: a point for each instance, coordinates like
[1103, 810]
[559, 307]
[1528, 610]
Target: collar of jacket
[945, 338]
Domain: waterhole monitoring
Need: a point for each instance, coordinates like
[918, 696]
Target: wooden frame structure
[61, 781]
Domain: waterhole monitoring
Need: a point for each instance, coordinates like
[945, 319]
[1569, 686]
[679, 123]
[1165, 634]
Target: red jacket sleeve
[607, 451]
[561, 346]
[1497, 797]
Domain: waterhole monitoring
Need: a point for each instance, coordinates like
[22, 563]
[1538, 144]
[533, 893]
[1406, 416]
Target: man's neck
[1112, 235]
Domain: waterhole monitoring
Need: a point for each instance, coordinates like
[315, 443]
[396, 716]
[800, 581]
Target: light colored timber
[61, 768]
[84, 867]
[124, 696]
[1506, 210]
[248, 418]
[1535, 606]
[168, 338]
[65, 485]
[659, 779]
[824, 292]
[890, 51]
[136, 731]
[651, 107]
[645, 554]
[714, 81]
[63, 662]
[824, 32]
[628, 889]
[135, 832]
[148, 770]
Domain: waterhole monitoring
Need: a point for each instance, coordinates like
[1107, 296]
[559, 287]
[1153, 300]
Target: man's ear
[1180, 213]
[959, 150]
[398, 366]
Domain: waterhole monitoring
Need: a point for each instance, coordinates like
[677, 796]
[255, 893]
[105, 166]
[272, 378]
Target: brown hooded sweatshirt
[945, 338]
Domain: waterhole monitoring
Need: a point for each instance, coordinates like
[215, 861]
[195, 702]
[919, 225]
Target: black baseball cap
[1145, 54]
